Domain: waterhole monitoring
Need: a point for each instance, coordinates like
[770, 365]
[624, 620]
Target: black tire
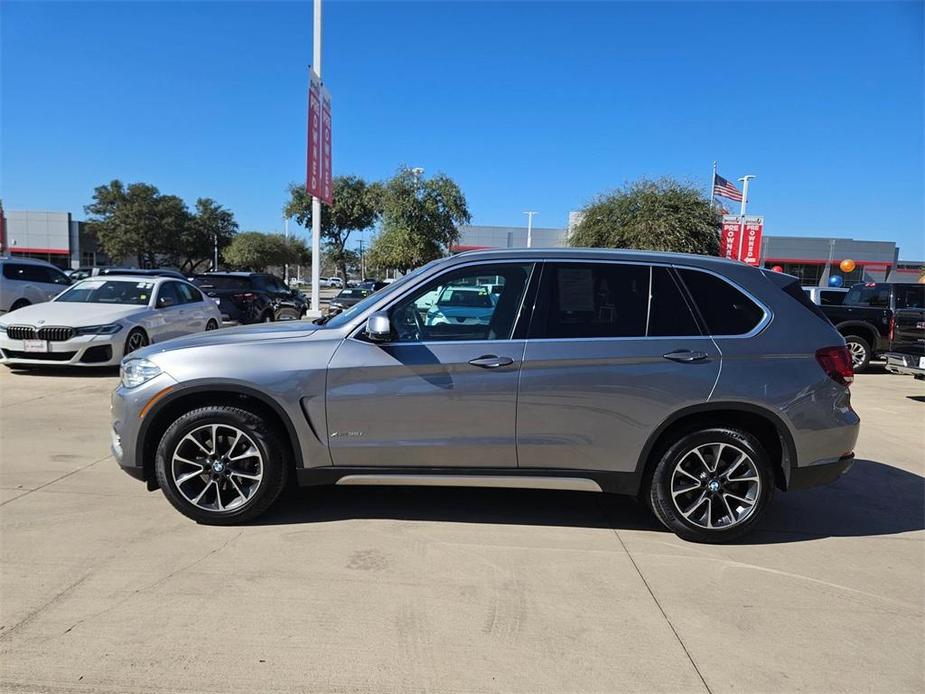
[660, 488]
[860, 352]
[212, 324]
[20, 303]
[135, 340]
[267, 317]
[275, 461]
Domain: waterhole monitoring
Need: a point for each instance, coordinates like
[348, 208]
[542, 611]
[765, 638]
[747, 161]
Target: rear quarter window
[724, 308]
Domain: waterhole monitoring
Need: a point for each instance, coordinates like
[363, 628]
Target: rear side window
[669, 314]
[830, 298]
[188, 294]
[725, 309]
[25, 272]
[910, 296]
[875, 295]
[220, 282]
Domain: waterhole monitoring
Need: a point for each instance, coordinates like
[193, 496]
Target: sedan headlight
[108, 329]
[2, 330]
[138, 371]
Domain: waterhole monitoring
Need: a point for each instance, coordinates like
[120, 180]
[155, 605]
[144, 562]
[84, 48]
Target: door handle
[490, 361]
[685, 356]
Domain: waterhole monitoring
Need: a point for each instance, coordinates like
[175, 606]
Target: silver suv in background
[24, 281]
[698, 384]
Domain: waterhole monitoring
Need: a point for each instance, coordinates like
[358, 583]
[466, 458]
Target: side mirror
[165, 302]
[378, 327]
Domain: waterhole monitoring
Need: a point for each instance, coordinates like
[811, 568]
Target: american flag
[725, 189]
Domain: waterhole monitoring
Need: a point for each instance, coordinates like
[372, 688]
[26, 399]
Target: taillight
[892, 326]
[836, 362]
[244, 297]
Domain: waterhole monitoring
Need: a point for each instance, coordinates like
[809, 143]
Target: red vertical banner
[327, 181]
[731, 237]
[751, 240]
[313, 168]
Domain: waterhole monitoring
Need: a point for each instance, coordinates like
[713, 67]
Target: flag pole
[713, 188]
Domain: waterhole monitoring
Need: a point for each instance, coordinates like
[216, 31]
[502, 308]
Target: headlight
[110, 329]
[138, 371]
[2, 330]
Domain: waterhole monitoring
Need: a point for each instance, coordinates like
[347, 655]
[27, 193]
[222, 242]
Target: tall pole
[530, 214]
[215, 252]
[745, 180]
[316, 202]
[713, 188]
[286, 266]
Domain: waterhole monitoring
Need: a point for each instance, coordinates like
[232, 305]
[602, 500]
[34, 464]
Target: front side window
[168, 295]
[459, 305]
[99, 291]
[873, 295]
[725, 309]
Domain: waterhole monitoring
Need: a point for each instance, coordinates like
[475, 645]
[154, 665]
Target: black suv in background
[251, 297]
[866, 319]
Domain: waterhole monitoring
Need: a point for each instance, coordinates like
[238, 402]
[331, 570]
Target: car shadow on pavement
[872, 499]
[66, 371]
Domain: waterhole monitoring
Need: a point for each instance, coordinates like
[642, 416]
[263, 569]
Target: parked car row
[98, 320]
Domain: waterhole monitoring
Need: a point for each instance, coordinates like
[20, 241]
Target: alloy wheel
[136, 340]
[217, 467]
[715, 486]
[858, 353]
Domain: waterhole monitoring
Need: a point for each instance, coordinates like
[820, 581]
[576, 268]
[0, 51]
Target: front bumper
[82, 350]
[906, 364]
[127, 408]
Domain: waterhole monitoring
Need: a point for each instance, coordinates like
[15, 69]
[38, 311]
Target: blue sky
[527, 105]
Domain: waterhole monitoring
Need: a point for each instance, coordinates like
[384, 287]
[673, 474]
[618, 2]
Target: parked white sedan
[100, 319]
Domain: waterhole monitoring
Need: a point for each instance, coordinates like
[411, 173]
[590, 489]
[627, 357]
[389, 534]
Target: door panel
[592, 404]
[423, 404]
[613, 350]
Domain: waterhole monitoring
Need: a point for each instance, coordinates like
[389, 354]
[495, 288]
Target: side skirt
[512, 478]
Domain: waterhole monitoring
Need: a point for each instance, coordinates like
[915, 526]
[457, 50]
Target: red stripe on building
[49, 251]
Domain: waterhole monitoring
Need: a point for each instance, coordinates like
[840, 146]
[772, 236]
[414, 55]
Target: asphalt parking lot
[105, 588]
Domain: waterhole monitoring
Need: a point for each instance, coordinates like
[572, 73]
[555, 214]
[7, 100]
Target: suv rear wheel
[712, 485]
[221, 465]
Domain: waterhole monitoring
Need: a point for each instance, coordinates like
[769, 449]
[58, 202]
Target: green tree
[256, 251]
[137, 221]
[420, 220]
[354, 208]
[657, 215]
[209, 224]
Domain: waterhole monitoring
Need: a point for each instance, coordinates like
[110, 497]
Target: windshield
[353, 294]
[358, 308]
[109, 292]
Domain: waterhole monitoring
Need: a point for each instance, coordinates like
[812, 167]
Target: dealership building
[803, 256]
[52, 236]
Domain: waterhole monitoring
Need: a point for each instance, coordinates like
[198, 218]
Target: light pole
[745, 180]
[530, 214]
[286, 266]
[316, 202]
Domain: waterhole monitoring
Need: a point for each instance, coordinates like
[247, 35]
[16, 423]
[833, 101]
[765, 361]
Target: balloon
[777, 268]
[847, 265]
[835, 281]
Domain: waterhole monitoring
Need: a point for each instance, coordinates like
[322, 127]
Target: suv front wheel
[221, 465]
[712, 485]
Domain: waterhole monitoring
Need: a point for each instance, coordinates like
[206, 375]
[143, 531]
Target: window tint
[726, 310]
[168, 290]
[669, 314]
[25, 272]
[188, 294]
[461, 306]
[910, 296]
[877, 295]
[592, 300]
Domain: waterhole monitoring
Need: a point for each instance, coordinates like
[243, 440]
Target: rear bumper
[905, 364]
[821, 474]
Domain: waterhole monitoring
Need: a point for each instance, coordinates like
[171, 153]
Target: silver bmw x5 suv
[698, 384]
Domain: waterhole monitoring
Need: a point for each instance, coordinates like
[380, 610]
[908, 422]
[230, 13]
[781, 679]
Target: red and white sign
[750, 252]
[731, 237]
[313, 172]
[327, 182]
